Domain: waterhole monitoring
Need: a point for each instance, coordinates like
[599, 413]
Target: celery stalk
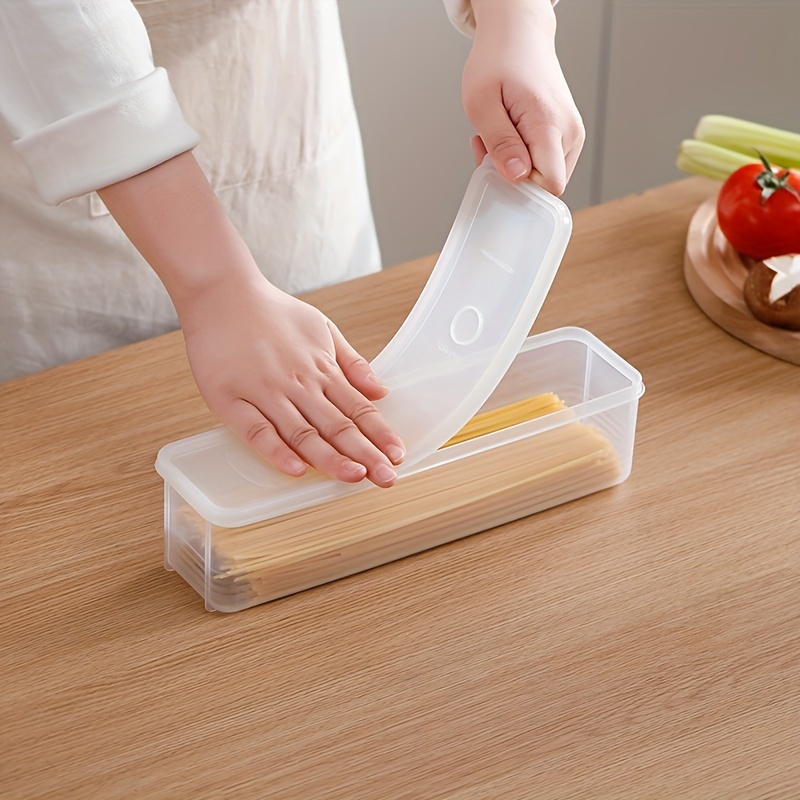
[710, 160]
[781, 148]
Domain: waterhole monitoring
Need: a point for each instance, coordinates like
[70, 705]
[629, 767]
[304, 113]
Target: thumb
[509, 154]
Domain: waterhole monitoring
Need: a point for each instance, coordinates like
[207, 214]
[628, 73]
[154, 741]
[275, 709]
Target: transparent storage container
[228, 540]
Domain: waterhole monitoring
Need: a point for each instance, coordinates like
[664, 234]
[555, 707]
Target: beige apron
[265, 84]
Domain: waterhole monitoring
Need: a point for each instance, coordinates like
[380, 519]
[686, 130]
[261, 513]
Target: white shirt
[261, 85]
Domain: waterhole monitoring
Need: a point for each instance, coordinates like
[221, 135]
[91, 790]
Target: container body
[459, 490]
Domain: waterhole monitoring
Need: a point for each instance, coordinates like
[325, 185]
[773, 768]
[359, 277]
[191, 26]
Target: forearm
[463, 13]
[173, 218]
[514, 13]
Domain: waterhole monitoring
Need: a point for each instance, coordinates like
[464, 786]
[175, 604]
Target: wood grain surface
[643, 642]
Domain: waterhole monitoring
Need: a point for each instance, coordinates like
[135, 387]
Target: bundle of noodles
[283, 555]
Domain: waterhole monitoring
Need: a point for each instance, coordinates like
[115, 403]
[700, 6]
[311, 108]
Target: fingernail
[396, 454]
[516, 169]
[351, 468]
[385, 474]
[376, 381]
[296, 466]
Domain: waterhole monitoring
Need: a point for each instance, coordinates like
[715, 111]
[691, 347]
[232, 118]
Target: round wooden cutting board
[715, 274]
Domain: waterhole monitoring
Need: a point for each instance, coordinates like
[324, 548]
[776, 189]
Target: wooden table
[643, 642]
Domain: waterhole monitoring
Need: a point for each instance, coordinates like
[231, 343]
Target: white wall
[405, 67]
[642, 73]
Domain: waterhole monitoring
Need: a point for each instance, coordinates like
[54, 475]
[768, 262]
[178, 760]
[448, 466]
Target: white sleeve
[80, 94]
[460, 13]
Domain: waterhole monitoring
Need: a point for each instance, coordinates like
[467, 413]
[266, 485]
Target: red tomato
[758, 210]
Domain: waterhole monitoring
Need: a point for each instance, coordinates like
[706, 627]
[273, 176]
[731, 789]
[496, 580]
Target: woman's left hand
[516, 96]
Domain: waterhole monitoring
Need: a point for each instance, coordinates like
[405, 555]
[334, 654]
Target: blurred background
[642, 73]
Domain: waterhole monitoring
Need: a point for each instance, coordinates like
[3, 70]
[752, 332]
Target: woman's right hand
[280, 374]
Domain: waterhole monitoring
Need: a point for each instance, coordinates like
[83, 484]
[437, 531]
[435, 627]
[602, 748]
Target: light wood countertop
[643, 642]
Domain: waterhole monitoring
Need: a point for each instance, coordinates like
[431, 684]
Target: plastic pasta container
[584, 447]
[242, 533]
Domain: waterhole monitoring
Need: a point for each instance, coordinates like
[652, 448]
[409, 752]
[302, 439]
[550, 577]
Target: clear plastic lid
[472, 316]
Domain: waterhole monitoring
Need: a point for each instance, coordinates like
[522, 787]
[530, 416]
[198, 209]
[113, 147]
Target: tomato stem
[770, 181]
